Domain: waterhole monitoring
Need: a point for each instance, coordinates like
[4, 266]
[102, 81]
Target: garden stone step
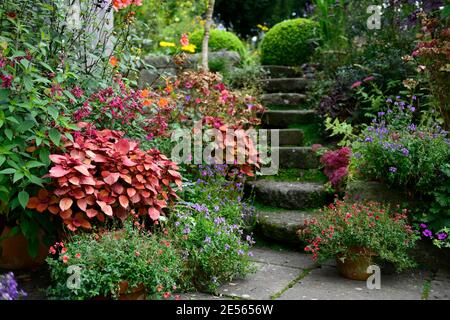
[289, 137]
[282, 99]
[298, 157]
[284, 118]
[282, 71]
[288, 85]
[288, 195]
[281, 225]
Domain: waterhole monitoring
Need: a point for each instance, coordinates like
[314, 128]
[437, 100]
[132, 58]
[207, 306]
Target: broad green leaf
[34, 164]
[23, 198]
[53, 112]
[2, 160]
[44, 155]
[9, 134]
[8, 171]
[55, 136]
[17, 176]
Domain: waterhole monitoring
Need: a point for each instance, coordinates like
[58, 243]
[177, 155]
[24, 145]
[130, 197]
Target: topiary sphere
[287, 43]
[218, 40]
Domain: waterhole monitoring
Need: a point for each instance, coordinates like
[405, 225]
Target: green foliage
[340, 129]
[344, 226]
[210, 227]
[290, 42]
[219, 40]
[106, 260]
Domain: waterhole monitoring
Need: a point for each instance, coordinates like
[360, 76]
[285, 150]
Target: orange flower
[147, 102]
[113, 61]
[184, 40]
[162, 103]
[145, 93]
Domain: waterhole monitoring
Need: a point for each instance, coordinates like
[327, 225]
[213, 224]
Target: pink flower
[6, 80]
[356, 84]
[78, 255]
[368, 79]
[77, 92]
[65, 259]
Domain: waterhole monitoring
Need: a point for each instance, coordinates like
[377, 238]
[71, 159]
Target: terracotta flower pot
[14, 252]
[137, 293]
[354, 264]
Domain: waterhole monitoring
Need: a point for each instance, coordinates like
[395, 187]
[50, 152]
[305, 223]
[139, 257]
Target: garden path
[289, 275]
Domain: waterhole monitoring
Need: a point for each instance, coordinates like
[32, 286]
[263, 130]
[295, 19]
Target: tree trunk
[209, 15]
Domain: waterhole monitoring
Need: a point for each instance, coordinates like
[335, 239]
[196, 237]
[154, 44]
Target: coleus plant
[100, 174]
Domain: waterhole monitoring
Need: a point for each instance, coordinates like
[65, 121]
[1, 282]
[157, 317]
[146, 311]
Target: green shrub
[289, 42]
[219, 40]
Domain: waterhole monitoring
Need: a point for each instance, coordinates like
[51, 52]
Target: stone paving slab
[201, 296]
[440, 286]
[283, 258]
[268, 280]
[326, 284]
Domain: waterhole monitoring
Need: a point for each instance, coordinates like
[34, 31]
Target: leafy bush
[103, 261]
[99, 174]
[401, 153]
[289, 42]
[210, 226]
[344, 225]
[219, 40]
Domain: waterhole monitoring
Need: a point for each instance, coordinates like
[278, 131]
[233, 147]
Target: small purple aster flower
[208, 240]
[227, 247]
[393, 169]
[423, 226]
[427, 233]
[405, 152]
[368, 139]
[442, 236]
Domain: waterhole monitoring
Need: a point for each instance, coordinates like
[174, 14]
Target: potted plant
[128, 265]
[358, 235]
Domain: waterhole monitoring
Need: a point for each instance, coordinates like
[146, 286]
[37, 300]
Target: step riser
[286, 85]
[280, 119]
[278, 231]
[282, 72]
[290, 137]
[288, 198]
[283, 100]
[298, 158]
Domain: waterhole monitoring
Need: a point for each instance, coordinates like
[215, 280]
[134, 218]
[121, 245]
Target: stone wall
[162, 66]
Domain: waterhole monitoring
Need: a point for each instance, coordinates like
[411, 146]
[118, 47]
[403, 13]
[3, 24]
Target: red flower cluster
[336, 165]
[100, 173]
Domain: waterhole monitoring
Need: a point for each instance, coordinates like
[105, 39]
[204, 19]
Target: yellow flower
[189, 48]
[167, 44]
[263, 28]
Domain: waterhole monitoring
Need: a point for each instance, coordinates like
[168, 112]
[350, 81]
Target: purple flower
[227, 247]
[216, 208]
[442, 236]
[405, 152]
[9, 288]
[381, 113]
[188, 98]
[368, 139]
[208, 240]
[250, 254]
[423, 226]
[427, 233]
[186, 230]
[393, 169]
[240, 252]
[414, 97]
[389, 100]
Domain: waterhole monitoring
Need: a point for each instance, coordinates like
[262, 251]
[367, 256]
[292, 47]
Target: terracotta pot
[135, 294]
[14, 252]
[354, 264]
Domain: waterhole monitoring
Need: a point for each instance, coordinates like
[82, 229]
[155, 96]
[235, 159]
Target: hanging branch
[209, 15]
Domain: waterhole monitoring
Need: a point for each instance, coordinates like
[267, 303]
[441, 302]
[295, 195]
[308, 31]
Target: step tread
[282, 225]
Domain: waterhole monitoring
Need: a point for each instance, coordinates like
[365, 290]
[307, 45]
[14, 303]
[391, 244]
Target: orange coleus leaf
[75, 181]
[131, 192]
[82, 204]
[124, 202]
[105, 208]
[112, 178]
[153, 213]
[66, 214]
[91, 213]
[122, 146]
[82, 169]
[65, 204]
[82, 221]
[33, 203]
[53, 209]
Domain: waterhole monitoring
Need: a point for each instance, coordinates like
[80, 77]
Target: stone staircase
[283, 206]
